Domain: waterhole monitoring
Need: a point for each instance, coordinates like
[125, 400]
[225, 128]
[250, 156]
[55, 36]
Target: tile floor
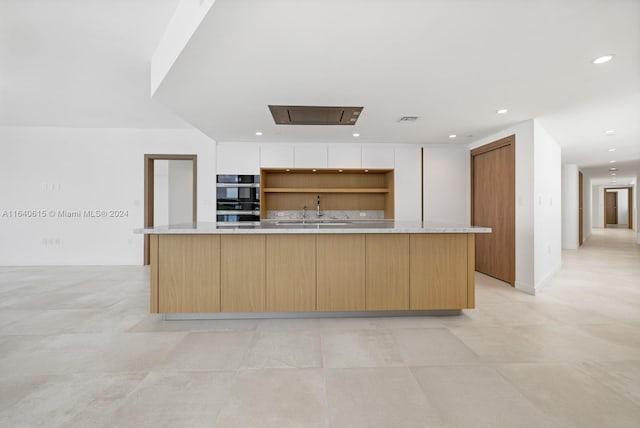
[78, 349]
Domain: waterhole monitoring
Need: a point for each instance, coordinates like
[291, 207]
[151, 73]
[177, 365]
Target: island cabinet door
[242, 273]
[291, 273]
[387, 272]
[438, 271]
[188, 273]
[341, 272]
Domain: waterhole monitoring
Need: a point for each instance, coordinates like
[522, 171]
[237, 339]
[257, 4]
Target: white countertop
[313, 226]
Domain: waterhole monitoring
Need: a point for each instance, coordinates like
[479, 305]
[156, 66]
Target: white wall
[570, 201]
[446, 184]
[587, 194]
[184, 22]
[597, 206]
[161, 192]
[623, 206]
[51, 169]
[524, 200]
[547, 185]
[180, 192]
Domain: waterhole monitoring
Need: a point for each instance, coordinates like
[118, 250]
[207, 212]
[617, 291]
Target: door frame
[629, 205]
[503, 142]
[149, 160]
[580, 208]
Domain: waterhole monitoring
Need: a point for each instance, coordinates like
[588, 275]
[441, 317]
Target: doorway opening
[618, 207]
[179, 197]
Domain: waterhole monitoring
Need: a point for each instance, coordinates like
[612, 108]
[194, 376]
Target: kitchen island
[311, 266]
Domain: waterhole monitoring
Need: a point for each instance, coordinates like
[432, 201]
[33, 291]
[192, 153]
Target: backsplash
[326, 215]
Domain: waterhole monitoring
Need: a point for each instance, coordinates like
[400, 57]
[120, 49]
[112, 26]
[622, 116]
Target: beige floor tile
[378, 397]
[291, 349]
[14, 388]
[177, 399]
[621, 376]
[276, 398]
[364, 348]
[412, 322]
[81, 400]
[477, 396]
[431, 346]
[155, 323]
[209, 351]
[570, 394]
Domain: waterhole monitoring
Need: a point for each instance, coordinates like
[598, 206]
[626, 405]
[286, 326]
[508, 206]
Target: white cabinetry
[237, 158]
[310, 156]
[344, 156]
[408, 183]
[377, 157]
[276, 156]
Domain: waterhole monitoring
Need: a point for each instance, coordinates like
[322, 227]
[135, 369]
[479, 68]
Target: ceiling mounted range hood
[315, 115]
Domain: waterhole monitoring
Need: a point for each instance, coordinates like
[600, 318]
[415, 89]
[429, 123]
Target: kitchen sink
[311, 223]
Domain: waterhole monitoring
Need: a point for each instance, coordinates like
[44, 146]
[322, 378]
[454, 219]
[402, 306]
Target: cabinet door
[387, 280]
[344, 156]
[276, 156]
[438, 271]
[408, 184]
[235, 158]
[242, 273]
[291, 273]
[310, 156]
[341, 272]
[377, 157]
[188, 273]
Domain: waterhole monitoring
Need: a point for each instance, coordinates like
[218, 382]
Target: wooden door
[580, 206]
[611, 208]
[493, 205]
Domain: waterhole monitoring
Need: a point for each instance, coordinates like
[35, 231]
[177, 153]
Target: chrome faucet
[304, 212]
[318, 208]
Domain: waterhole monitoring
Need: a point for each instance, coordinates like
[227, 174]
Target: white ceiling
[85, 63]
[81, 63]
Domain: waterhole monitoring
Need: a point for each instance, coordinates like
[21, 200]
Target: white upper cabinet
[408, 183]
[377, 157]
[310, 156]
[344, 156]
[237, 158]
[276, 156]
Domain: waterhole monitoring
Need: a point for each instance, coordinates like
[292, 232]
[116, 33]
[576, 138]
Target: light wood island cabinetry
[309, 270]
[188, 272]
[387, 272]
[242, 280]
[291, 273]
[341, 273]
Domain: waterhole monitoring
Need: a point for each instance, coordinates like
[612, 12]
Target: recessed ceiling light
[339, 170]
[610, 132]
[502, 111]
[612, 161]
[314, 170]
[452, 136]
[287, 170]
[613, 173]
[602, 59]
[355, 134]
[613, 169]
[366, 170]
[613, 149]
[258, 133]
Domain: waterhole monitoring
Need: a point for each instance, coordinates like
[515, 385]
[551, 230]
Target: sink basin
[311, 223]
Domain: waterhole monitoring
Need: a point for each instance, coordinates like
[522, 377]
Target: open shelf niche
[339, 189]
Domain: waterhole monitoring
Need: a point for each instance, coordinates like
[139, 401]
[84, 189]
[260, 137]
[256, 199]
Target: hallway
[78, 349]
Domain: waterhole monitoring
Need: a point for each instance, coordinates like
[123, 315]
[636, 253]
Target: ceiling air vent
[315, 115]
[408, 119]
